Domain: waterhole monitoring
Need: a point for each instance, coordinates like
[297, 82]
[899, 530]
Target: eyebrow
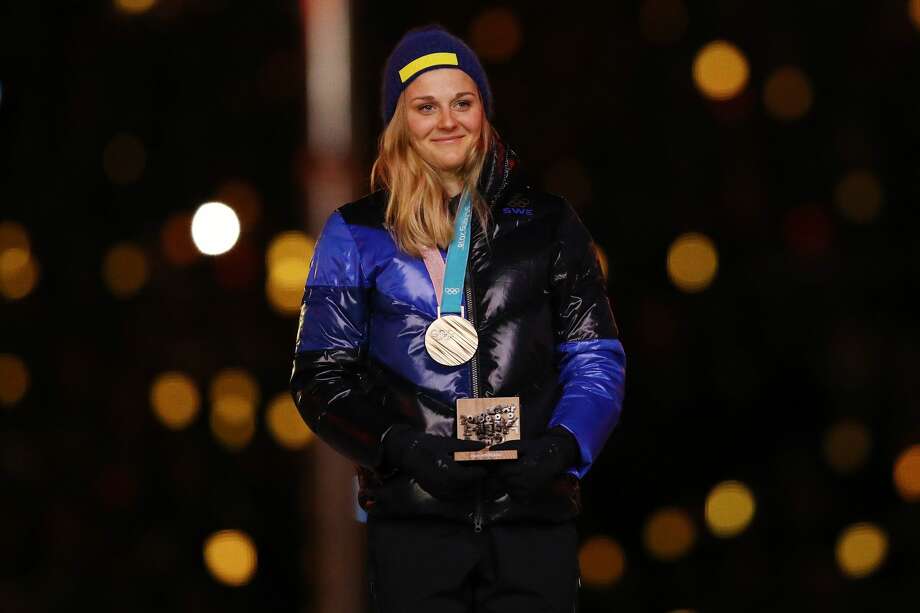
[460, 95]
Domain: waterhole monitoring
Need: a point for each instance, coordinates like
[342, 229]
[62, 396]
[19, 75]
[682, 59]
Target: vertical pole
[333, 559]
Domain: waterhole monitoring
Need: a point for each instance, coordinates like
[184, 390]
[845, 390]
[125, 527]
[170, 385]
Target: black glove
[539, 462]
[430, 460]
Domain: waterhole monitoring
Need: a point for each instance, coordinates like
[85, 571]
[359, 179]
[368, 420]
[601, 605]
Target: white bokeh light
[215, 228]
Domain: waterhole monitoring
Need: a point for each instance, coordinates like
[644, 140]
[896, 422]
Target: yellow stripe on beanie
[426, 61]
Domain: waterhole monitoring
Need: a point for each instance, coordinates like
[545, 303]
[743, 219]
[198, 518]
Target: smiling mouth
[452, 139]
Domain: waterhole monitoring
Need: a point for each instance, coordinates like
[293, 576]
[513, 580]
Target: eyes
[462, 104]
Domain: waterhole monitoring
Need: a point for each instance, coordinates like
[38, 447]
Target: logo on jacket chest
[518, 207]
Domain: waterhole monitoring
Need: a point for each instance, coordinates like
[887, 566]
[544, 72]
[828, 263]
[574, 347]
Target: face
[444, 114]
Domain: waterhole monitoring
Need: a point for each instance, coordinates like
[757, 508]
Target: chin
[451, 164]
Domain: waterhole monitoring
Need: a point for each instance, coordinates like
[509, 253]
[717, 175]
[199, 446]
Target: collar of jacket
[499, 170]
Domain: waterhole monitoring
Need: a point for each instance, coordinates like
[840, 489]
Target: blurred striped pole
[333, 557]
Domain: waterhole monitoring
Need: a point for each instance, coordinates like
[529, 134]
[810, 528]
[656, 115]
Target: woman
[371, 379]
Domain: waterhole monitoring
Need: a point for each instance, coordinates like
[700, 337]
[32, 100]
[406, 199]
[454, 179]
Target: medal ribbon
[448, 279]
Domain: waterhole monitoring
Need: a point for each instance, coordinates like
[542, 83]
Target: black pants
[429, 565]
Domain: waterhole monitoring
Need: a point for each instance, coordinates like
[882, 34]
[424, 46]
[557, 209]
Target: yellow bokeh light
[692, 262]
[907, 474]
[233, 423]
[914, 11]
[234, 395]
[861, 549]
[729, 508]
[720, 70]
[859, 196]
[123, 159]
[847, 445]
[663, 21]
[234, 383]
[14, 379]
[788, 94]
[602, 561]
[230, 556]
[288, 261]
[669, 534]
[125, 269]
[175, 400]
[285, 423]
[134, 6]
[285, 300]
[496, 34]
[291, 245]
[18, 273]
[13, 261]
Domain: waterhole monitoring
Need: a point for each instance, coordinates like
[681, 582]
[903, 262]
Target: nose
[446, 121]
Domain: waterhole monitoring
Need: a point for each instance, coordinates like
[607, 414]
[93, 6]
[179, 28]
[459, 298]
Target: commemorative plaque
[490, 420]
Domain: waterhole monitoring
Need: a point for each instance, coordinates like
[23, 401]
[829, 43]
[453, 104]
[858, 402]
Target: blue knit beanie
[424, 49]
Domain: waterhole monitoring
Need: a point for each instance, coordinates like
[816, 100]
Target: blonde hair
[417, 214]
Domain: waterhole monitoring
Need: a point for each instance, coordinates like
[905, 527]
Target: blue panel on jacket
[361, 263]
[592, 375]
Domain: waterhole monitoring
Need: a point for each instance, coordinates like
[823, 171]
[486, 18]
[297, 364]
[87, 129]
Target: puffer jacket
[535, 295]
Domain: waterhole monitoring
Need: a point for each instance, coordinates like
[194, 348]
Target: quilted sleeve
[589, 355]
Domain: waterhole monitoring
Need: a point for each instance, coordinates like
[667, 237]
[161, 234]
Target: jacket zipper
[474, 381]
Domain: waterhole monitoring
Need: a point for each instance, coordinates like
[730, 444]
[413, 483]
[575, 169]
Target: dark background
[810, 319]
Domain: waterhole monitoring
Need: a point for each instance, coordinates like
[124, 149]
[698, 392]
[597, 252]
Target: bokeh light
[14, 379]
[175, 399]
[913, 8]
[233, 424]
[788, 94]
[669, 534]
[234, 395]
[215, 228]
[230, 556]
[692, 262]
[176, 240]
[124, 159]
[846, 445]
[907, 474]
[285, 423]
[125, 269]
[134, 6]
[232, 385]
[602, 561]
[729, 508]
[496, 34]
[720, 70]
[288, 260]
[859, 196]
[18, 269]
[663, 21]
[861, 549]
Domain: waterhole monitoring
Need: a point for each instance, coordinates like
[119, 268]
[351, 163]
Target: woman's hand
[539, 462]
[430, 461]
